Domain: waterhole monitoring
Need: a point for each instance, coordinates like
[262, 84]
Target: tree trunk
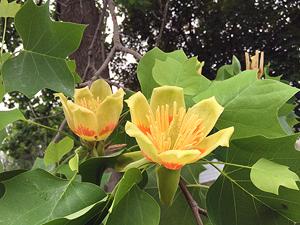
[84, 12]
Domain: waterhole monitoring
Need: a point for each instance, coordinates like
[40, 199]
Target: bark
[84, 12]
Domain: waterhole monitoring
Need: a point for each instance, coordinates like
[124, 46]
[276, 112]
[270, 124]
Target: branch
[91, 60]
[192, 203]
[61, 127]
[163, 24]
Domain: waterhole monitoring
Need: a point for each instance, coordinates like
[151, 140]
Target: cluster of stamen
[174, 128]
[90, 103]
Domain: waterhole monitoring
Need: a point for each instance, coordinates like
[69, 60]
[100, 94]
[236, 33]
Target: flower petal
[175, 159]
[85, 122]
[82, 93]
[146, 146]
[108, 113]
[209, 110]
[66, 109]
[139, 109]
[100, 89]
[220, 138]
[167, 95]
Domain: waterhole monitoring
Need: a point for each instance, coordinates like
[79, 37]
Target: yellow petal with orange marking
[68, 115]
[82, 94]
[175, 159]
[139, 109]
[85, 122]
[146, 146]
[208, 110]
[220, 138]
[100, 89]
[167, 95]
[109, 113]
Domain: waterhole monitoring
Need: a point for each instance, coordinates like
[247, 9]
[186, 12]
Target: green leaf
[191, 172]
[46, 43]
[181, 74]
[180, 213]
[74, 162]
[8, 9]
[136, 207]
[131, 177]
[72, 67]
[92, 169]
[167, 183]
[3, 58]
[55, 151]
[37, 197]
[234, 200]
[287, 117]
[268, 176]
[146, 64]
[251, 105]
[40, 164]
[228, 71]
[7, 117]
[1, 167]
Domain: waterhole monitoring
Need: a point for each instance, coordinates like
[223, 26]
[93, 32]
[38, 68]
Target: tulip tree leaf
[36, 197]
[251, 105]
[46, 43]
[146, 211]
[227, 71]
[234, 199]
[8, 9]
[7, 117]
[73, 162]
[268, 176]
[181, 74]
[131, 177]
[146, 64]
[3, 58]
[55, 151]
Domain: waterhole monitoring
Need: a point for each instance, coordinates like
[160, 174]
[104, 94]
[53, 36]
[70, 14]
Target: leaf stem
[226, 163]
[3, 35]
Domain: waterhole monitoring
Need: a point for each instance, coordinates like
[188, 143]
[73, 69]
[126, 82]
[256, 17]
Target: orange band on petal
[144, 129]
[172, 166]
[84, 131]
[110, 127]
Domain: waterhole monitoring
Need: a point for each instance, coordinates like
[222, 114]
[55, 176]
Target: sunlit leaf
[46, 45]
[8, 9]
[7, 117]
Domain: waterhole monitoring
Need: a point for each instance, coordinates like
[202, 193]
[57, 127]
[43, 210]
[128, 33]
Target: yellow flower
[170, 135]
[95, 112]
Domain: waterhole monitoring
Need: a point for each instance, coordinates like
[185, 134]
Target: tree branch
[91, 60]
[163, 24]
[190, 200]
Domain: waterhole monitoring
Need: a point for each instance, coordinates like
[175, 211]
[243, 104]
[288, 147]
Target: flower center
[174, 128]
[90, 103]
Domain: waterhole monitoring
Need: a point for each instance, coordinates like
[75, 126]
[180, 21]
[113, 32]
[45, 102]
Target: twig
[61, 127]
[163, 24]
[91, 60]
[117, 46]
[190, 200]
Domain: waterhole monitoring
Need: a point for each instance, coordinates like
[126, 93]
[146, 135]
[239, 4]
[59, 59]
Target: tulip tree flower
[255, 62]
[95, 111]
[171, 135]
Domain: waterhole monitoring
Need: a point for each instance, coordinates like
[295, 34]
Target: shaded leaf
[136, 207]
[248, 204]
[37, 197]
[55, 151]
[7, 117]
